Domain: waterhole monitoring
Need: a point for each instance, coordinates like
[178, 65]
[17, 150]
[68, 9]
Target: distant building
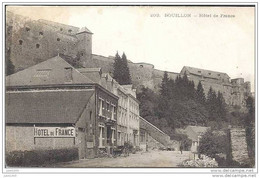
[53, 95]
[194, 133]
[235, 91]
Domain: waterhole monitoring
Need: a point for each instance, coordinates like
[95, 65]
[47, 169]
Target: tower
[85, 46]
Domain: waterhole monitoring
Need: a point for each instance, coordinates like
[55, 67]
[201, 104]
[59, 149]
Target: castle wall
[32, 42]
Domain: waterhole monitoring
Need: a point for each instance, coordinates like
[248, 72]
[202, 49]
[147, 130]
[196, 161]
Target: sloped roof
[82, 70]
[92, 73]
[194, 131]
[51, 71]
[205, 73]
[60, 106]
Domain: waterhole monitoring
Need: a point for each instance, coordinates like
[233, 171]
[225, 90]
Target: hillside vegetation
[180, 103]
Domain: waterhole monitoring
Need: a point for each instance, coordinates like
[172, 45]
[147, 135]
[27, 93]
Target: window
[20, 42]
[82, 54]
[218, 74]
[58, 39]
[113, 136]
[90, 116]
[119, 137]
[42, 73]
[100, 107]
[103, 104]
[61, 29]
[40, 33]
[209, 73]
[114, 112]
[69, 30]
[199, 71]
[107, 106]
[37, 46]
[68, 74]
[141, 66]
[101, 136]
[27, 29]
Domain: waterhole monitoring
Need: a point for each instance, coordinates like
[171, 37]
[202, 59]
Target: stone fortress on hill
[29, 42]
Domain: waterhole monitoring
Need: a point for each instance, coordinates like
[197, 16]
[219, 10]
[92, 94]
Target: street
[141, 159]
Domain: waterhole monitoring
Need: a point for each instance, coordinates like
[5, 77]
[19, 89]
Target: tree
[121, 71]
[164, 86]
[126, 74]
[9, 67]
[212, 105]
[164, 96]
[250, 127]
[212, 144]
[148, 100]
[200, 95]
[221, 107]
[117, 72]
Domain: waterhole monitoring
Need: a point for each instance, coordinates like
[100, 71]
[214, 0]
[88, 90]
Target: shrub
[212, 144]
[35, 158]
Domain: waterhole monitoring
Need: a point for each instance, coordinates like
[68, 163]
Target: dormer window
[199, 71]
[209, 73]
[69, 30]
[68, 74]
[61, 29]
[42, 73]
[40, 33]
[27, 29]
[37, 46]
[58, 39]
[20, 42]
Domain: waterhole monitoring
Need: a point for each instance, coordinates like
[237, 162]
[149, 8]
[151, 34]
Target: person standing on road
[181, 148]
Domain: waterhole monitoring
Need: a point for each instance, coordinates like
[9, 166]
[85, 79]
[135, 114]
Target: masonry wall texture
[30, 42]
[239, 145]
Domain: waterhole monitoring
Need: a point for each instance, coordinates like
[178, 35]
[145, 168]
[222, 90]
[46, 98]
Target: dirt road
[145, 159]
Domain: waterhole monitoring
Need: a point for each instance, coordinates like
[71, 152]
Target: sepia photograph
[129, 86]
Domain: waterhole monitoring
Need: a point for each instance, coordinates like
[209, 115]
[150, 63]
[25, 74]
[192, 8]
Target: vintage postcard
[130, 86]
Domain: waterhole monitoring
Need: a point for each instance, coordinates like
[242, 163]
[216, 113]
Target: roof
[93, 73]
[82, 70]
[194, 131]
[52, 23]
[205, 73]
[51, 71]
[56, 106]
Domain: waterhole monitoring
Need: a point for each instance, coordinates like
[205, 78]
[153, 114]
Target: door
[82, 143]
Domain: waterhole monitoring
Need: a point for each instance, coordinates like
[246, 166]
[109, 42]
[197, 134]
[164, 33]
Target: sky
[169, 37]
